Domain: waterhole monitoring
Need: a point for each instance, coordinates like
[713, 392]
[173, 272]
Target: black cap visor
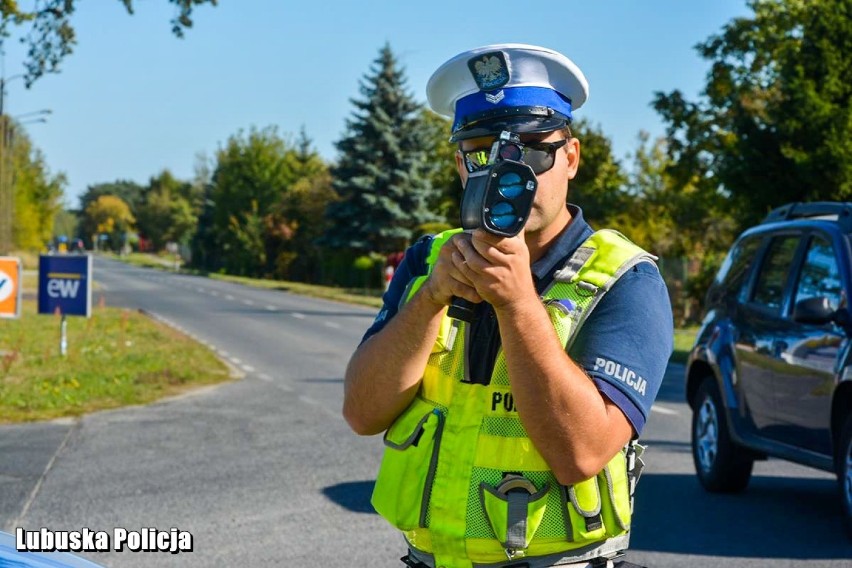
[520, 120]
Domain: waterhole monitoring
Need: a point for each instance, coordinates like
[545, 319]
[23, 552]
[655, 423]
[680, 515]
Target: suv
[770, 373]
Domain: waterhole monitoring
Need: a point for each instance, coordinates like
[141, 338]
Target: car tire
[721, 465]
[844, 473]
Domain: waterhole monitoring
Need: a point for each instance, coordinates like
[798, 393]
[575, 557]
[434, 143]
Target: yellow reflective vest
[460, 476]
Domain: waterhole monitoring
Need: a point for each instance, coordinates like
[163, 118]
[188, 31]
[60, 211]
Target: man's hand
[446, 279]
[497, 267]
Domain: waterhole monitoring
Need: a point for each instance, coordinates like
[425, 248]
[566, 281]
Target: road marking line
[318, 404]
[272, 308]
[664, 410]
[248, 302]
[235, 361]
[214, 293]
[248, 368]
[75, 426]
[297, 315]
[265, 377]
[331, 324]
[229, 297]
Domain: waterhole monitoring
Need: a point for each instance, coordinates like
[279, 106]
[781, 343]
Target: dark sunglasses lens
[503, 215]
[476, 160]
[539, 160]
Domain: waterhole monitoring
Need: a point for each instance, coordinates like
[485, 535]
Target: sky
[133, 100]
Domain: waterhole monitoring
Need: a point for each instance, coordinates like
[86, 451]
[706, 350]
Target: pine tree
[383, 177]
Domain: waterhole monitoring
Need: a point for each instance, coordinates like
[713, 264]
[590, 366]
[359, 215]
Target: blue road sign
[65, 284]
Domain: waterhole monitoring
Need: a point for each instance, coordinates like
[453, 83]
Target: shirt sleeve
[626, 343]
[413, 264]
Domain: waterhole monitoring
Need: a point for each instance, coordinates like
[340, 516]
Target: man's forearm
[576, 429]
[384, 373]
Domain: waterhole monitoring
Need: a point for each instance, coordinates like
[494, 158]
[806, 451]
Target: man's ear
[572, 149]
[460, 167]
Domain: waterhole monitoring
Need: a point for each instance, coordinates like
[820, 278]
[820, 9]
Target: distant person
[510, 439]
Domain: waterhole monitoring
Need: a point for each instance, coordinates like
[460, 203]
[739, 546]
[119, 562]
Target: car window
[769, 288]
[820, 274]
[737, 263]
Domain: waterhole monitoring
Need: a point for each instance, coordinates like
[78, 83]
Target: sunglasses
[540, 156]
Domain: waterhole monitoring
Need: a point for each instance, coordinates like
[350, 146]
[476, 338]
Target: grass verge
[362, 296]
[115, 358]
[683, 341]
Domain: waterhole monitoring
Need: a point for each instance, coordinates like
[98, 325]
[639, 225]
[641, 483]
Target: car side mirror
[816, 310]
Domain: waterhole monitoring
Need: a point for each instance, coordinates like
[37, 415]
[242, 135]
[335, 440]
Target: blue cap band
[508, 97]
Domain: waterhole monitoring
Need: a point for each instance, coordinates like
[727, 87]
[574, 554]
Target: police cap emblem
[489, 70]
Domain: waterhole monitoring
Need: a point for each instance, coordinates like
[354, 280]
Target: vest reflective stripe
[460, 476]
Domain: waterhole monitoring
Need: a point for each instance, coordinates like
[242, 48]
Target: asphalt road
[263, 471]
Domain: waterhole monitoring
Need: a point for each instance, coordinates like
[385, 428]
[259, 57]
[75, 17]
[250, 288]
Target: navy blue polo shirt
[624, 345]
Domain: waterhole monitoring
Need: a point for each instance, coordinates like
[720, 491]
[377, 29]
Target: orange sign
[10, 287]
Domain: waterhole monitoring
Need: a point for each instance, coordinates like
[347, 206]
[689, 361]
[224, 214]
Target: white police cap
[510, 86]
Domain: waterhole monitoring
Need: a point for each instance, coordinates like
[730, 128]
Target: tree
[383, 175]
[37, 192]
[252, 172]
[685, 227]
[299, 219]
[50, 37]
[129, 191]
[774, 123]
[167, 215]
[600, 184]
[66, 224]
[108, 215]
[251, 214]
[440, 157]
[667, 217]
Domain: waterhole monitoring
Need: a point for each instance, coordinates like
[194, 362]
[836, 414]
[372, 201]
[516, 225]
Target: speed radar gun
[498, 199]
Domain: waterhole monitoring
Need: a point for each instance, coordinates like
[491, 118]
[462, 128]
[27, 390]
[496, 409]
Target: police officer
[509, 438]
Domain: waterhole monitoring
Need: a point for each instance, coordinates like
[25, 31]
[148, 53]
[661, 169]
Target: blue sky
[133, 100]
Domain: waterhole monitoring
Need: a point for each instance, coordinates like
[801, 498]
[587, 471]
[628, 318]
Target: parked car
[770, 373]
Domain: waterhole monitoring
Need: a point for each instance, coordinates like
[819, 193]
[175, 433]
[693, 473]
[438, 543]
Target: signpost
[10, 287]
[65, 286]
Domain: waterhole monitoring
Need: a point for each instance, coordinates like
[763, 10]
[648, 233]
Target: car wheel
[844, 473]
[721, 465]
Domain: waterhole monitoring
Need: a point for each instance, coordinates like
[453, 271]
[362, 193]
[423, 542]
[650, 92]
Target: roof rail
[798, 210]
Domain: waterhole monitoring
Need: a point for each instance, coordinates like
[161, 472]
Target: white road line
[331, 324]
[318, 404]
[297, 315]
[265, 377]
[248, 302]
[235, 361]
[248, 368]
[229, 297]
[200, 290]
[272, 308]
[214, 293]
[664, 410]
